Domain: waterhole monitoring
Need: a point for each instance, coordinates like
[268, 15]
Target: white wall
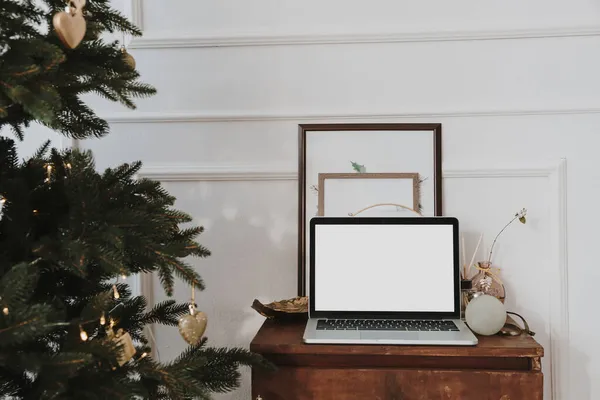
[513, 83]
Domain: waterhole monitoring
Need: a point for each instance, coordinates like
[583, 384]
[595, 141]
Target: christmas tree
[70, 327]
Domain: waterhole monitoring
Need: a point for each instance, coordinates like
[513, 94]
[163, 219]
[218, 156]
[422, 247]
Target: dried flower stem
[520, 216]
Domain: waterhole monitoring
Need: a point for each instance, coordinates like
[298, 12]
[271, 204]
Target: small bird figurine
[358, 168]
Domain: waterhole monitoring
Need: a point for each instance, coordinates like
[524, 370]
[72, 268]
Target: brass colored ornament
[70, 26]
[124, 340]
[193, 325]
[128, 58]
[294, 308]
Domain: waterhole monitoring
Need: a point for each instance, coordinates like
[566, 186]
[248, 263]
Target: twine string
[492, 271]
[384, 204]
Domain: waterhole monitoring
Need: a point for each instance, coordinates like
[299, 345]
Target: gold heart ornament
[70, 25]
[192, 326]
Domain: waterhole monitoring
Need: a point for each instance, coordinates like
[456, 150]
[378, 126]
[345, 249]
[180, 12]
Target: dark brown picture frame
[303, 129]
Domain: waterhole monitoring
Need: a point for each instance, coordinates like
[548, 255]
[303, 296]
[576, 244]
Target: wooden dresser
[499, 368]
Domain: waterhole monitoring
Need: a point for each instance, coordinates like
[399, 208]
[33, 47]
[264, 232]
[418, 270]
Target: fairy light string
[84, 335]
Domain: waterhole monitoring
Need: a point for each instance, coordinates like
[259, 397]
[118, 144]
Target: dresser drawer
[299, 383]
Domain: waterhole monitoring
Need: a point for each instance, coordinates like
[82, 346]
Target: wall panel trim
[195, 173]
[558, 285]
[559, 332]
[143, 117]
[171, 40]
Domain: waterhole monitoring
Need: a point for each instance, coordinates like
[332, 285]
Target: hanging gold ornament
[127, 58]
[193, 325]
[124, 341]
[70, 26]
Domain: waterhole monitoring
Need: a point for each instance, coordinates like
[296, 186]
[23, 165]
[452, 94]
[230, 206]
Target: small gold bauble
[192, 327]
[128, 58]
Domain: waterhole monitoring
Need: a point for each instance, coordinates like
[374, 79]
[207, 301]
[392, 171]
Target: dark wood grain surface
[286, 338]
[498, 368]
[385, 384]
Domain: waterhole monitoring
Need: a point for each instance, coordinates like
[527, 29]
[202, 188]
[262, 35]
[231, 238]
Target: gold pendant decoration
[123, 339]
[128, 58]
[70, 26]
[193, 325]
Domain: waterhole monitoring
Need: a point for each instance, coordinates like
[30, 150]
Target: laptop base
[462, 337]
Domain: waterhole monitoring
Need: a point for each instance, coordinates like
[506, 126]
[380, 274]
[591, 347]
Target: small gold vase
[487, 281]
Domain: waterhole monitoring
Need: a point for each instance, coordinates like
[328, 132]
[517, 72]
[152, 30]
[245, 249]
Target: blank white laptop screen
[393, 268]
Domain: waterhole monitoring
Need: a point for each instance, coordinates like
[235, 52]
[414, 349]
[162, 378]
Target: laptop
[385, 280]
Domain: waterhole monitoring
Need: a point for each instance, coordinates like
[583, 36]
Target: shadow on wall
[253, 246]
[255, 258]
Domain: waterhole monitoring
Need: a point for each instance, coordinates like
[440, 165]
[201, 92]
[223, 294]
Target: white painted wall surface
[514, 84]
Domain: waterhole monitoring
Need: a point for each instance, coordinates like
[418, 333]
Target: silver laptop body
[385, 280]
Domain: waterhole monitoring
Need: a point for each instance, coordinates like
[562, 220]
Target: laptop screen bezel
[455, 314]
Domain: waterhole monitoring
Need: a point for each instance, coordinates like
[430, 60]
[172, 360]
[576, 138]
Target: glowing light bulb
[116, 292]
[123, 276]
[5, 311]
[144, 355]
[102, 319]
[83, 334]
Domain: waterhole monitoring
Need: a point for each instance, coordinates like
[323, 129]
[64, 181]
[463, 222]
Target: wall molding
[217, 173]
[534, 172]
[166, 40]
[136, 10]
[559, 333]
[558, 286]
[559, 305]
[170, 40]
[135, 117]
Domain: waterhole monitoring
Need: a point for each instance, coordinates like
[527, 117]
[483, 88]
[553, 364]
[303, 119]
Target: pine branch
[17, 285]
[166, 313]
[66, 232]
[24, 324]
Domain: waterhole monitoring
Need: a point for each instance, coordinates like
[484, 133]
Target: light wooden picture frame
[357, 191]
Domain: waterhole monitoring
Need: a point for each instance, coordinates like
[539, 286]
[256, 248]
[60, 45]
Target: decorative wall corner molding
[137, 13]
[170, 40]
[559, 286]
[556, 174]
[134, 117]
[164, 40]
[559, 305]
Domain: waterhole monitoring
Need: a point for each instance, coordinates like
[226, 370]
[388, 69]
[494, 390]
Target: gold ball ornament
[128, 58]
[192, 326]
[70, 26]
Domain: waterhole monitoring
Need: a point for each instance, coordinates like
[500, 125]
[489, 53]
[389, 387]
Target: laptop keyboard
[384, 325]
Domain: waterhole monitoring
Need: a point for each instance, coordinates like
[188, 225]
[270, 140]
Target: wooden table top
[286, 338]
